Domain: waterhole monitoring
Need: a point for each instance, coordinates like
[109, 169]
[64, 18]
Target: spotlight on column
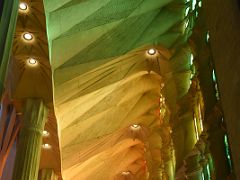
[23, 6]
[46, 146]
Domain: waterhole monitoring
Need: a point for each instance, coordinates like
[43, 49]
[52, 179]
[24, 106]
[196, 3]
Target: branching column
[166, 152]
[30, 140]
[216, 133]
[193, 167]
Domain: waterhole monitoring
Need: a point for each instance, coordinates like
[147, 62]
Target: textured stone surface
[103, 84]
[223, 21]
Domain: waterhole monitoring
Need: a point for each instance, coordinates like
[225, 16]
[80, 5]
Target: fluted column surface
[30, 140]
[47, 174]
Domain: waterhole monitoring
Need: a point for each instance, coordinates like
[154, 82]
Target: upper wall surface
[224, 25]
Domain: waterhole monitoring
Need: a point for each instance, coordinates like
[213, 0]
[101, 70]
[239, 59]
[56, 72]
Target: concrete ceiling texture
[104, 82]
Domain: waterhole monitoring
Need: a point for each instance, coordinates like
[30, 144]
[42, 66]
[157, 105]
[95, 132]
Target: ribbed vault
[104, 82]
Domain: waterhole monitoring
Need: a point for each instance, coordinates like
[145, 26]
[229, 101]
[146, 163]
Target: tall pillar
[204, 163]
[211, 171]
[169, 168]
[193, 167]
[8, 19]
[216, 133]
[184, 139]
[30, 140]
[47, 174]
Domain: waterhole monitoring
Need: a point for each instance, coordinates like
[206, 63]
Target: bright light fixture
[27, 36]
[45, 133]
[151, 52]
[23, 6]
[46, 146]
[125, 173]
[32, 61]
[135, 126]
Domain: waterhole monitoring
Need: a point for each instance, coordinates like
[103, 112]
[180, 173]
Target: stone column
[216, 133]
[204, 163]
[30, 140]
[193, 167]
[210, 166]
[47, 174]
[169, 169]
[8, 19]
[158, 172]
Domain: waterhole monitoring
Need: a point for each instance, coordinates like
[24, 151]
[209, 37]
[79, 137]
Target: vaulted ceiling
[104, 81]
[112, 104]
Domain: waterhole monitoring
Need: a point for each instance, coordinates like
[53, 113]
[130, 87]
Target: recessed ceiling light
[125, 173]
[45, 133]
[135, 125]
[151, 52]
[32, 61]
[46, 146]
[27, 36]
[23, 6]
